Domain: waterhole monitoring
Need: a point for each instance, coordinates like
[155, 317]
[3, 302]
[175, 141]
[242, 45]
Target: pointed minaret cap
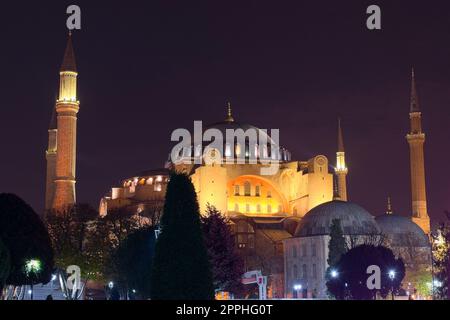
[229, 117]
[68, 63]
[340, 137]
[389, 206]
[53, 121]
[414, 107]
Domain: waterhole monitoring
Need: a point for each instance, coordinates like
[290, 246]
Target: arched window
[257, 190]
[314, 270]
[294, 251]
[247, 207]
[258, 208]
[295, 272]
[247, 188]
[313, 249]
[269, 208]
[236, 190]
[269, 194]
[236, 207]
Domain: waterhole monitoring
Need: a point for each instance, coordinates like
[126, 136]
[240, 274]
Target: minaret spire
[68, 63]
[340, 138]
[341, 169]
[229, 117]
[414, 102]
[416, 140]
[389, 205]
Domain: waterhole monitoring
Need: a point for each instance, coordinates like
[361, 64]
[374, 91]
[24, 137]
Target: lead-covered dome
[402, 231]
[246, 141]
[354, 220]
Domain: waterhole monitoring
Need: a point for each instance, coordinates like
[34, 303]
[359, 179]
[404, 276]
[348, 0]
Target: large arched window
[247, 188]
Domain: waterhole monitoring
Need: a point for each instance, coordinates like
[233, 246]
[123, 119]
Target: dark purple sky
[148, 67]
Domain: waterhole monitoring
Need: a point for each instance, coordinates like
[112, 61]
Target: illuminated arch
[261, 198]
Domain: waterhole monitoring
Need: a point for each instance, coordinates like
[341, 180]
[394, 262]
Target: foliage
[227, 266]
[421, 279]
[441, 261]
[5, 264]
[351, 281]
[73, 231]
[181, 269]
[26, 238]
[337, 245]
[133, 259]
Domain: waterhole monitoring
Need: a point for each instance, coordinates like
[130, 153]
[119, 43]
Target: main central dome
[239, 140]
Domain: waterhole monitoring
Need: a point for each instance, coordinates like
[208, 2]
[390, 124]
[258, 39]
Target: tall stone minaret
[67, 107]
[341, 169]
[416, 139]
[50, 155]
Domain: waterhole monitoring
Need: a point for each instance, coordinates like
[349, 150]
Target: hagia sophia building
[281, 221]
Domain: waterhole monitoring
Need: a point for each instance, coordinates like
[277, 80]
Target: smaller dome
[354, 219]
[402, 231]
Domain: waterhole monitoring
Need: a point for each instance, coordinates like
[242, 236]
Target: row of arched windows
[255, 152]
[304, 272]
[304, 250]
[248, 190]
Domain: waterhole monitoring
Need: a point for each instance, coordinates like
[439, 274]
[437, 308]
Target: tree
[76, 239]
[337, 246]
[351, 279]
[27, 240]
[181, 269]
[133, 259]
[441, 261]
[227, 265]
[5, 265]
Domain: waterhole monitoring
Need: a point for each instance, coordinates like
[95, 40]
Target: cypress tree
[337, 245]
[181, 270]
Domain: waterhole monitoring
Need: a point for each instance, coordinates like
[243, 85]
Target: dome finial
[389, 205]
[229, 114]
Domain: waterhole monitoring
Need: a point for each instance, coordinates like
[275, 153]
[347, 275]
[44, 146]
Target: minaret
[416, 139]
[229, 114]
[67, 107]
[389, 206]
[50, 156]
[341, 169]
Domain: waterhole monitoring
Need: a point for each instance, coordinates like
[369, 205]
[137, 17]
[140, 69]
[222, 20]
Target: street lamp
[334, 274]
[297, 288]
[392, 277]
[32, 266]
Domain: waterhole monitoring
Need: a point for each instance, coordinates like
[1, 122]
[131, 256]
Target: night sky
[148, 67]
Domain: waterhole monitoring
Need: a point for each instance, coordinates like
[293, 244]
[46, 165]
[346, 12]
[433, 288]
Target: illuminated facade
[240, 189]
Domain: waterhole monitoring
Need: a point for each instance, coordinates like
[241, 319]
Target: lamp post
[334, 274]
[392, 277]
[32, 266]
[297, 288]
